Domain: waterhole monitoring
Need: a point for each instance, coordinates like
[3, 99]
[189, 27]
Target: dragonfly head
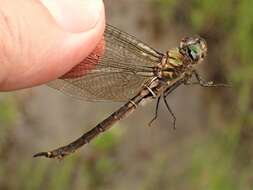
[195, 48]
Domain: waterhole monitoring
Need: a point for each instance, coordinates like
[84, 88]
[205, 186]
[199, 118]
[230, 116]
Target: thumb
[41, 41]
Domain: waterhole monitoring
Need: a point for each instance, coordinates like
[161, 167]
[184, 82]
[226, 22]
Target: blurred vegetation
[221, 160]
[29, 174]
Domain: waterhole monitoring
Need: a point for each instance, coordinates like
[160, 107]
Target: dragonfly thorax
[191, 51]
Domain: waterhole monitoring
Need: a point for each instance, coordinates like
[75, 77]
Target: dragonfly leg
[156, 112]
[170, 111]
[172, 88]
[203, 83]
[165, 94]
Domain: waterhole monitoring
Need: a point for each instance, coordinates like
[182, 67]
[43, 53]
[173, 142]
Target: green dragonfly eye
[194, 52]
[195, 48]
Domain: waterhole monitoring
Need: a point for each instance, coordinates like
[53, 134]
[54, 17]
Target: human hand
[42, 40]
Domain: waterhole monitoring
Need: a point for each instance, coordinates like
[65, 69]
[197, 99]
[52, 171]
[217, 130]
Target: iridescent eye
[194, 47]
[193, 52]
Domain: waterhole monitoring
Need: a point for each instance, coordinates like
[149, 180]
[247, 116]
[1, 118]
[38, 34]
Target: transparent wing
[116, 70]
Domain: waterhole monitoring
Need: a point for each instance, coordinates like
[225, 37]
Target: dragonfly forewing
[115, 71]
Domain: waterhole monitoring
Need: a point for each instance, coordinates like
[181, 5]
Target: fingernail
[75, 15]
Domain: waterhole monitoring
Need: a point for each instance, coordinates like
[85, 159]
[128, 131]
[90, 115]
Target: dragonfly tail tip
[40, 154]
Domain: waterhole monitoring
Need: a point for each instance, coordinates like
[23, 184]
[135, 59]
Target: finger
[42, 41]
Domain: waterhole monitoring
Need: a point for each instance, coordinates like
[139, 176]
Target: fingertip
[84, 29]
[74, 49]
[76, 15]
[47, 51]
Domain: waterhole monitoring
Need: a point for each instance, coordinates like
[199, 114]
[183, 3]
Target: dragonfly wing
[116, 70]
[101, 87]
[128, 45]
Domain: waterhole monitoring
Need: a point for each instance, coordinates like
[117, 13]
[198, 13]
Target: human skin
[42, 40]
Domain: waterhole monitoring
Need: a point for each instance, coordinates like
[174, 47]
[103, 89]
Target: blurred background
[212, 147]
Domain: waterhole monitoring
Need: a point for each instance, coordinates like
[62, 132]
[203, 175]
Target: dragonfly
[122, 68]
